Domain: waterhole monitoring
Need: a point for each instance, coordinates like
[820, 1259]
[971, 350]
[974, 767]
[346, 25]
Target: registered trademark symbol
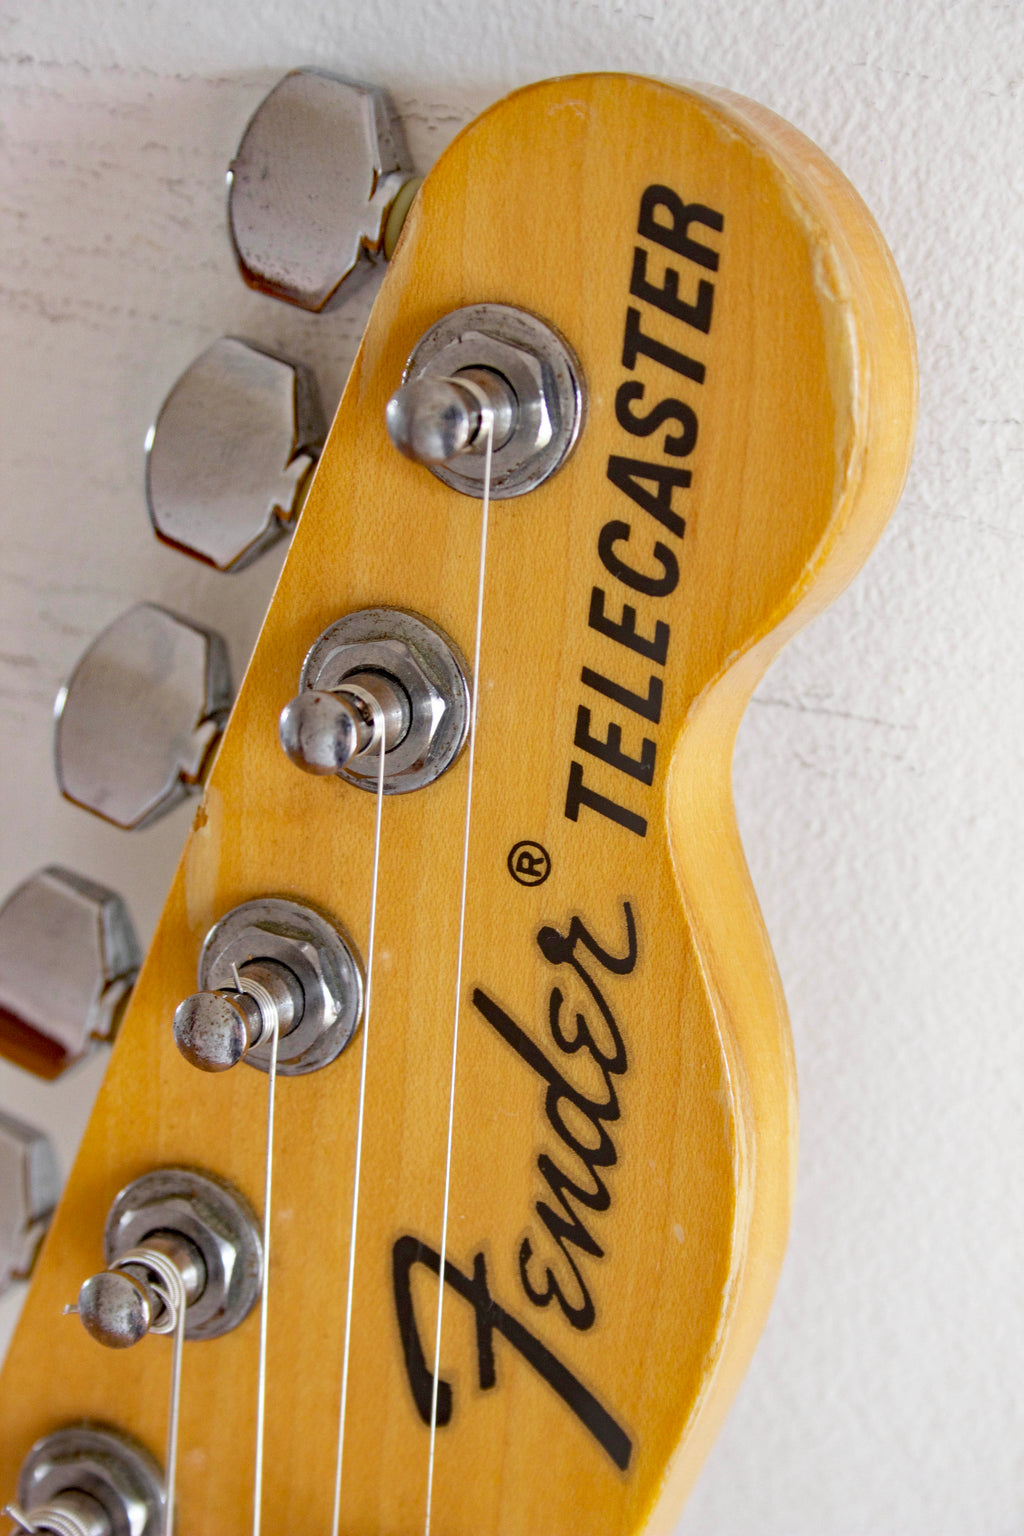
[529, 863]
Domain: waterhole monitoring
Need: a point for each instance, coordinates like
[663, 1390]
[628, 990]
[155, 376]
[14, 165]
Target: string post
[322, 730]
[489, 358]
[145, 1290]
[88, 1480]
[215, 1030]
[73, 1513]
[433, 420]
[379, 675]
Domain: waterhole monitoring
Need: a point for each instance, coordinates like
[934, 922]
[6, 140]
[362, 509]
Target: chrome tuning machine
[319, 188]
[489, 361]
[68, 959]
[86, 1480]
[140, 716]
[379, 670]
[271, 965]
[231, 454]
[175, 1241]
[29, 1187]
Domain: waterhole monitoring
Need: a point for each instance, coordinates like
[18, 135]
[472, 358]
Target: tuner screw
[318, 189]
[29, 1187]
[231, 454]
[68, 960]
[139, 718]
[88, 1480]
[271, 963]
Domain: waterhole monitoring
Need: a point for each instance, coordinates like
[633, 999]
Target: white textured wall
[879, 770]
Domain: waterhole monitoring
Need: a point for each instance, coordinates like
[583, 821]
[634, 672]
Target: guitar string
[172, 1421]
[172, 1293]
[261, 1384]
[487, 426]
[378, 724]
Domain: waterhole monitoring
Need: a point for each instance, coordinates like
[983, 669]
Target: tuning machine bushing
[417, 686]
[271, 964]
[192, 1222]
[89, 1480]
[500, 360]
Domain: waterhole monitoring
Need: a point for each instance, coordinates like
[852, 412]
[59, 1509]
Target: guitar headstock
[607, 1203]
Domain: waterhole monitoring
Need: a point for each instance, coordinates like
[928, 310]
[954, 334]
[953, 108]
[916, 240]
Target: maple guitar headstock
[623, 1139]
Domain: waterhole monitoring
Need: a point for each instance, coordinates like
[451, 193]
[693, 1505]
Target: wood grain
[805, 422]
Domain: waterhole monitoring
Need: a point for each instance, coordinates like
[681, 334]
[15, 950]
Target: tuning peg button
[29, 1186]
[68, 959]
[230, 455]
[139, 718]
[319, 187]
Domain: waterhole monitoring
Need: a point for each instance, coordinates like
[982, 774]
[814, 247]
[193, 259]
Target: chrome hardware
[29, 1187]
[90, 1481]
[68, 959]
[529, 377]
[322, 732]
[193, 1222]
[70, 1514]
[406, 665]
[214, 1030]
[432, 420]
[139, 718]
[271, 961]
[230, 455]
[144, 1291]
[319, 187]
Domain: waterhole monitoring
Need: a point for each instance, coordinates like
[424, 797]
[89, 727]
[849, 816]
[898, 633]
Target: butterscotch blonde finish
[649, 1195]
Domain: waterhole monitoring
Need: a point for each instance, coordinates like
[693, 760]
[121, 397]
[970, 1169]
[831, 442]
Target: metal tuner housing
[271, 963]
[230, 456]
[503, 360]
[319, 188]
[29, 1188]
[197, 1223]
[68, 960]
[93, 1481]
[388, 665]
[140, 716]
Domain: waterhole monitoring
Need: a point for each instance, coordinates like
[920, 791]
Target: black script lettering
[490, 1319]
[560, 949]
[583, 1314]
[675, 236]
[560, 1090]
